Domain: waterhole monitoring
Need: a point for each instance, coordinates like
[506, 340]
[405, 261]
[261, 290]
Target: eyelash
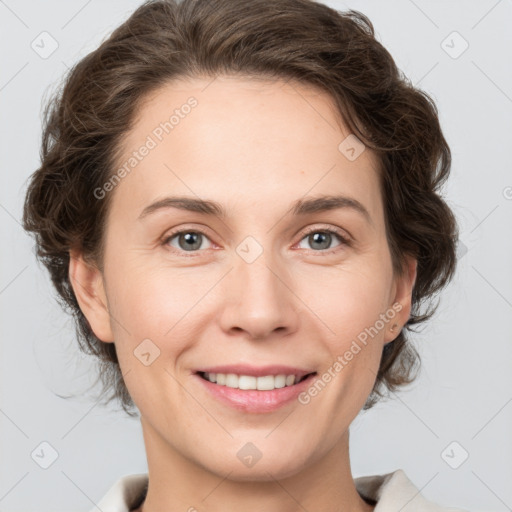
[343, 239]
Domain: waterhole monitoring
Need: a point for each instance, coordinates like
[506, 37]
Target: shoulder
[395, 491]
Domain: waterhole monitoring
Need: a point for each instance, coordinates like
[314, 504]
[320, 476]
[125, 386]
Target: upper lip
[257, 371]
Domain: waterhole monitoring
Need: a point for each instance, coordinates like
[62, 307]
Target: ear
[88, 285]
[402, 301]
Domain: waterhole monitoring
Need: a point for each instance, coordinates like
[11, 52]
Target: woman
[191, 168]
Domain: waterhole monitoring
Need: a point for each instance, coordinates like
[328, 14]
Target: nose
[259, 300]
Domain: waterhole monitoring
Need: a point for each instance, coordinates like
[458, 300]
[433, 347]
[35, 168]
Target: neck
[179, 483]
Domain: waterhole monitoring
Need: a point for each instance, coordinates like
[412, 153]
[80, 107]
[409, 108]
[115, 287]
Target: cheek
[149, 320]
[352, 298]
[353, 306]
[158, 303]
[139, 295]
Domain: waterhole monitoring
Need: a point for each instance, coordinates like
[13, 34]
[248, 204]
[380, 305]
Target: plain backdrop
[450, 431]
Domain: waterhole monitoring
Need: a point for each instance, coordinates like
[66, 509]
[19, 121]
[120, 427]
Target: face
[263, 283]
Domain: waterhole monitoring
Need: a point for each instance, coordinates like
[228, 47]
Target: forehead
[243, 142]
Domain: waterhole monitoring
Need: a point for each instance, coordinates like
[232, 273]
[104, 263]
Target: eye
[191, 240]
[188, 240]
[320, 239]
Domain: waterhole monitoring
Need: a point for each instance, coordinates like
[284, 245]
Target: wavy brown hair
[300, 40]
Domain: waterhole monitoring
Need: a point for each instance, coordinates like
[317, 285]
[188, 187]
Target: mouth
[251, 382]
[255, 390]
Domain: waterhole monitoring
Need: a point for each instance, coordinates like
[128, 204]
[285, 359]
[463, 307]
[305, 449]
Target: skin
[255, 147]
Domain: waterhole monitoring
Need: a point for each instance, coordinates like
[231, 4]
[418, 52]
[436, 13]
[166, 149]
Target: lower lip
[255, 401]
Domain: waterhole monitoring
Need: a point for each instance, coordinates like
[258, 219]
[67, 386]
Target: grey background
[464, 392]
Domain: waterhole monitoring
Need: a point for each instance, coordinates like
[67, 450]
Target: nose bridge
[262, 301]
[261, 278]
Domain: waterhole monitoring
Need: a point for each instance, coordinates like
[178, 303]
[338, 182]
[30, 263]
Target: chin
[270, 464]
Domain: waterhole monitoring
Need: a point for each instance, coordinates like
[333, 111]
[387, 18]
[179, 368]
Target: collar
[392, 491]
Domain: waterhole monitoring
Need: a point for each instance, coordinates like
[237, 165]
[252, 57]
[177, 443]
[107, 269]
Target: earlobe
[88, 285]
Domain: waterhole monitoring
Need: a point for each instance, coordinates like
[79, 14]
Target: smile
[263, 383]
[251, 394]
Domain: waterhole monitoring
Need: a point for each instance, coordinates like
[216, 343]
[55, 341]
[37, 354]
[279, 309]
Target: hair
[299, 40]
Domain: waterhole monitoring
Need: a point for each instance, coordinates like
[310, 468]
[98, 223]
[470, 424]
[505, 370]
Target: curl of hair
[298, 40]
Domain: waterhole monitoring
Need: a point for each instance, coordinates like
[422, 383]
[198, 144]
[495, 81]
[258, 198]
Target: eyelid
[345, 238]
[178, 231]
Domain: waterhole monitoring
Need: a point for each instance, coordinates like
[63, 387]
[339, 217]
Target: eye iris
[320, 237]
[191, 240]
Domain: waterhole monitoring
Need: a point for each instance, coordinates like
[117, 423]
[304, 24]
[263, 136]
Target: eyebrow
[298, 208]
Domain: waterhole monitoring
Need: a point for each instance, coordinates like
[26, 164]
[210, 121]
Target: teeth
[246, 382]
[266, 383]
[280, 380]
[290, 379]
[231, 380]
